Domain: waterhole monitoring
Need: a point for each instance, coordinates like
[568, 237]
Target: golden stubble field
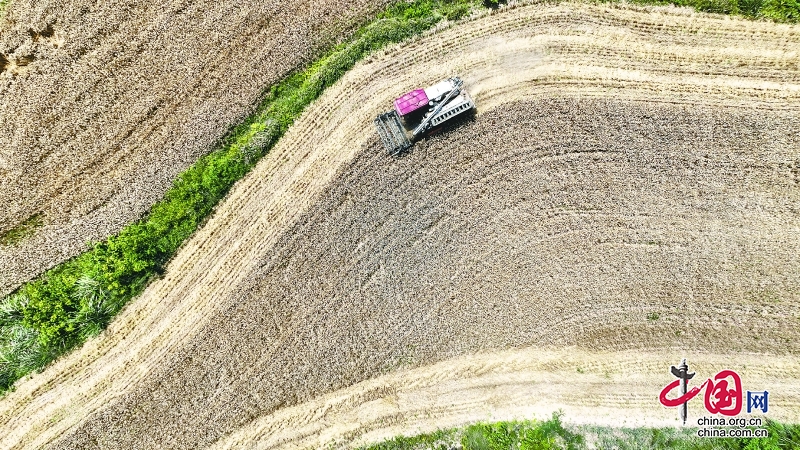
[103, 104]
[626, 196]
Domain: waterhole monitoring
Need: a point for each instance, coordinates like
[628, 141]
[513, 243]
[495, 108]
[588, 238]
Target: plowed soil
[102, 105]
[626, 196]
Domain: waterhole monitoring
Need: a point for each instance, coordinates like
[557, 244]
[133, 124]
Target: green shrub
[494, 3]
[49, 308]
[750, 8]
[782, 10]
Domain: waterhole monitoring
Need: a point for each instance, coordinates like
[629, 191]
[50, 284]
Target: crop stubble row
[506, 385]
[227, 279]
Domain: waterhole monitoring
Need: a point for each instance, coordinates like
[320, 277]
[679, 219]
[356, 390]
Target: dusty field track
[506, 385]
[102, 105]
[607, 176]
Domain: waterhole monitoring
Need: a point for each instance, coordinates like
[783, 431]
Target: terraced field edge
[552, 434]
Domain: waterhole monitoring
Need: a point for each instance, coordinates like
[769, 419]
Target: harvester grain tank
[419, 112]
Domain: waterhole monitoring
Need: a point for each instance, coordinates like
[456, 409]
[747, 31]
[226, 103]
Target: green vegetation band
[552, 434]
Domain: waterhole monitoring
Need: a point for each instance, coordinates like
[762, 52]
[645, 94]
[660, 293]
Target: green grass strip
[553, 435]
[776, 10]
[48, 316]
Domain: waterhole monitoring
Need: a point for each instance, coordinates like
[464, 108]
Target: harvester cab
[421, 111]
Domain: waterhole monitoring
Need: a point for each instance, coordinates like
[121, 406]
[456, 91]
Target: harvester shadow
[442, 132]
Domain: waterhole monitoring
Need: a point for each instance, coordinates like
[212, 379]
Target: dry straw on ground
[525, 383]
[614, 194]
[103, 104]
[506, 233]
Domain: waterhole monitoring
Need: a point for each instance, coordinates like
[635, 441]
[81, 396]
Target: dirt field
[104, 104]
[607, 179]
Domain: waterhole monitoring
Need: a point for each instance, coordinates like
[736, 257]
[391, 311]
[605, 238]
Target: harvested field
[508, 385]
[607, 179]
[103, 105]
[501, 236]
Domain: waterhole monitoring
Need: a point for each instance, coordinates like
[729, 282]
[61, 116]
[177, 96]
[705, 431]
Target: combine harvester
[420, 112]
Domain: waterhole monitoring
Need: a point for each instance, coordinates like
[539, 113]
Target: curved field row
[608, 388]
[602, 181]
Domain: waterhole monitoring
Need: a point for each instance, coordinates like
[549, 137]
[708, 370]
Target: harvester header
[419, 112]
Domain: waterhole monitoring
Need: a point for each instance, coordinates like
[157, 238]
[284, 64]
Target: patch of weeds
[776, 10]
[474, 438]
[22, 231]
[781, 10]
[781, 436]
[549, 434]
[653, 316]
[494, 4]
[439, 440]
[552, 435]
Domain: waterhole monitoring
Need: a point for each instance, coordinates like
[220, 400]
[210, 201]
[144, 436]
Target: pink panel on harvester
[411, 101]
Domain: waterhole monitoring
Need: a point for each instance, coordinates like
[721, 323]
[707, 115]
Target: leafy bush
[782, 10]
